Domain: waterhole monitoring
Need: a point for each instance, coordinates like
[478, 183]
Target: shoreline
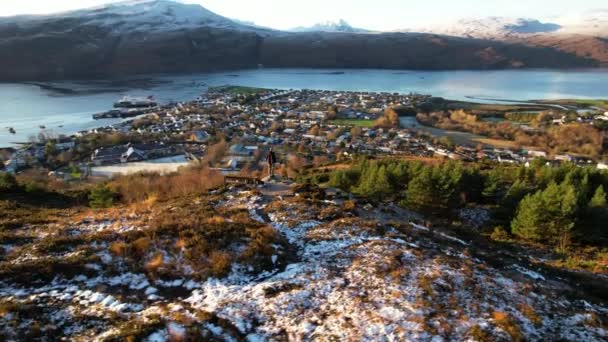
[86, 123]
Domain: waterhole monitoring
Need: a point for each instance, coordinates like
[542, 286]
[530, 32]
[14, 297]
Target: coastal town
[232, 128]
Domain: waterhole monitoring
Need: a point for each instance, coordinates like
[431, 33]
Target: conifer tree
[382, 184]
[597, 216]
[421, 192]
[492, 186]
[548, 215]
[599, 198]
[527, 223]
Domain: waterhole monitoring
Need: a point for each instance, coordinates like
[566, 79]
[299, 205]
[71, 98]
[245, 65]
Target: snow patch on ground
[350, 279]
[529, 273]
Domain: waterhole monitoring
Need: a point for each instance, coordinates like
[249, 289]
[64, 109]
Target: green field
[353, 122]
[491, 109]
[230, 89]
[580, 103]
[596, 103]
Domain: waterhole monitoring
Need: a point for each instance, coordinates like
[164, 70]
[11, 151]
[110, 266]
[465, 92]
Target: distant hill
[583, 35]
[492, 28]
[162, 36]
[594, 23]
[330, 26]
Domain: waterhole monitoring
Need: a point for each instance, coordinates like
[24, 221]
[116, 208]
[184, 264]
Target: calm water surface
[67, 110]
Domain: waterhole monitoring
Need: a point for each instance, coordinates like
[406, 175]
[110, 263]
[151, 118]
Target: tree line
[540, 203]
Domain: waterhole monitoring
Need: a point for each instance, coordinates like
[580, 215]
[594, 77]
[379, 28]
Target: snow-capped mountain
[124, 38]
[591, 23]
[163, 36]
[139, 16]
[330, 26]
[583, 35]
[492, 27]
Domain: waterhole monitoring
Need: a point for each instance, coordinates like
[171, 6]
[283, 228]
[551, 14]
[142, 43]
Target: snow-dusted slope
[583, 35]
[330, 26]
[138, 16]
[125, 38]
[493, 27]
[589, 23]
[362, 276]
[163, 36]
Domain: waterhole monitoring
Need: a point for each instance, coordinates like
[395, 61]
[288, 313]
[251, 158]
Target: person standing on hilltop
[271, 159]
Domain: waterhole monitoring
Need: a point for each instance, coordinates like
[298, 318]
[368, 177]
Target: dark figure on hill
[271, 159]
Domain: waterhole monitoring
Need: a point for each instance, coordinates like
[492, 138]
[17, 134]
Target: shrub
[349, 206]
[102, 197]
[478, 334]
[506, 323]
[220, 263]
[32, 188]
[155, 263]
[530, 314]
[154, 187]
[500, 234]
[141, 246]
[215, 220]
[119, 248]
[7, 182]
[388, 120]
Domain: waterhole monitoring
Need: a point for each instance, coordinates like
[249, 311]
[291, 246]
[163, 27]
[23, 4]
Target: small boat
[11, 130]
[42, 127]
[136, 102]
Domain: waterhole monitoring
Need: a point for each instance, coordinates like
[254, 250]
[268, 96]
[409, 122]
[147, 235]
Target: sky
[369, 14]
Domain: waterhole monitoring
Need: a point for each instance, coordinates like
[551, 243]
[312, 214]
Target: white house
[564, 157]
[537, 154]
[602, 117]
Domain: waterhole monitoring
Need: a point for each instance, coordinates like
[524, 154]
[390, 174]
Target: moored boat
[136, 102]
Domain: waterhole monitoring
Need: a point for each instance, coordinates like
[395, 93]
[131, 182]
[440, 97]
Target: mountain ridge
[579, 36]
[162, 36]
[339, 25]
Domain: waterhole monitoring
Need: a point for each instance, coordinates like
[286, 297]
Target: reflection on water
[26, 107]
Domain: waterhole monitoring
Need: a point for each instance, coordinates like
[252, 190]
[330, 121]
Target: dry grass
[529, 312]
[119, 249]
[141, 246]
[506, 323]
[478, 334]
[46, 269]
[150, 188]
[155, 263]
[207, 238]
[145, 205]
[591, 259]
[220, 263]
[13, 307]
[215, 220]
[498, 143]
[349, 206]
[180, 244]
[425, 282]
